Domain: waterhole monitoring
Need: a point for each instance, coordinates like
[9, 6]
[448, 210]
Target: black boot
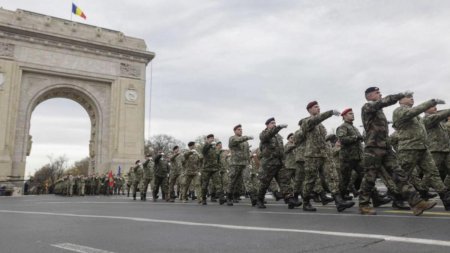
[325, 199]
[315, 197]
[341, 204]
[260, 203]
[378, 200]
[445, 197]
[253, 199]
[134, 196]
[398, 202]
[213, 197]
[204, 197]
[229, 199]
[426, 195]
[144, 196]
[307, 206]
[277, 195]
[297, 201]
[222, 199]
[291, 202]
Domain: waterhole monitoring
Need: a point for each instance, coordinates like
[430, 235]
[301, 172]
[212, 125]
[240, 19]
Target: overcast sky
[220, 63]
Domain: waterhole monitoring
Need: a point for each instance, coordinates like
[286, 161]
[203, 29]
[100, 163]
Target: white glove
[439, 101]
[283, 125]
[336, 113]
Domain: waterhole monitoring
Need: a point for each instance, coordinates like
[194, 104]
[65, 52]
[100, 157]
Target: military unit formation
[311, 166]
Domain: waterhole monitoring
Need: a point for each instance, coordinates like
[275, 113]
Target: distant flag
[111, 179]
[77, 11]
[118, 171]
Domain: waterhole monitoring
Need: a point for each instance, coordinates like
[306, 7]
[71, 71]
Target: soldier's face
[314, 110]
[272, 124]
[432, 110]
[409, 101]
[349, 116]
[291, 139]
[238, 131]
[374, 96]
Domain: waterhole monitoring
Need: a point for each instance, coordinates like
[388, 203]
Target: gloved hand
[439, 101]
[336, 113]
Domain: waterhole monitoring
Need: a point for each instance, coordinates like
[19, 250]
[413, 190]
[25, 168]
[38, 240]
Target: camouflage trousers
[300, 179]
[214, 177]
[442, 161]
[147, 182]
[251, 182]
[375, 159]
[422, 160]
[235, 179]
[173, 180]
[349, 168]
[270, 171]
[162, 182]
[225, 178]
[138, 184]
[186, 181]
[326, 169]
[81, 191]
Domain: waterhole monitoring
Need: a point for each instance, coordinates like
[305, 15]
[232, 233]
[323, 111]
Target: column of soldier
[94, 184]
[415, 158]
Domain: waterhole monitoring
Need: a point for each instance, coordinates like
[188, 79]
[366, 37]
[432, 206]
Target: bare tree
[47, 175]
[162, 142]
[80, 167]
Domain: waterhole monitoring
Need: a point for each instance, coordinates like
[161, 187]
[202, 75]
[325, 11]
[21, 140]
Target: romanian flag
[78, 11]
[110, 179]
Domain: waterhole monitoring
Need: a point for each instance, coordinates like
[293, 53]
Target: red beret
[311, 104]
[345, 111]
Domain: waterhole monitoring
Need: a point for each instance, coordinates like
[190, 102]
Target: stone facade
[43, 57]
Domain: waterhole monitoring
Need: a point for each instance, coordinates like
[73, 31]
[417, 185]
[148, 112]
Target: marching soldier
[210, 170]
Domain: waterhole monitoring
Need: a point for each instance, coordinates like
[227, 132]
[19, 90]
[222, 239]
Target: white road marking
[251, 228]
[79, 248]
[410, 216]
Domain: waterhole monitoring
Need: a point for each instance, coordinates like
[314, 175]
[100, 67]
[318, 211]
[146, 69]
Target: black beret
[370, 89]
[191, 143]
[236, 127]
[269, 120]
[311, 104]
[209, 136]
[176, 147]
[289, 135]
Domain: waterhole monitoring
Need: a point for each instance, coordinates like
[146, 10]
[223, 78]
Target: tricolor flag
[77, 11]
[110, 179]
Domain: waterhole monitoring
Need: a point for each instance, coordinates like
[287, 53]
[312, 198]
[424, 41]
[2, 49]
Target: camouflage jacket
[315, 132]
[375, 122]
[350, 139]
[224, 161]
[289, 151]
[138, 173]
[177, 164]
[393, 140]
[299, 140]
[438, 137]
[148, 168]
[162, 167]
[191, 162]
[271, 146]
[411, 131]
[239, 150]
[211, 160]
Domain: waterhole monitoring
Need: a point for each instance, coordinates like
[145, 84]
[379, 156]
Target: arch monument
[43, 57]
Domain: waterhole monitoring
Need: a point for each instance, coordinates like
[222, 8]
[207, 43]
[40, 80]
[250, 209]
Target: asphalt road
[118, 224]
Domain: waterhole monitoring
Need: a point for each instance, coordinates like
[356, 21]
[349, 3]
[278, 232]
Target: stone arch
[84, 98]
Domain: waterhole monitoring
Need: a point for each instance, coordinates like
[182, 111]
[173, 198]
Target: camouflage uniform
[239, 160]
[272, 158]
[70, 185]
[148, 174]
[250, 176]
[191, 170]
[210, 171]
[350, 155]
[138, 181]
[82, 185]
[439, 143]
[317, 155]
[378, 152]
[130, 180]
[412, 149]
[176, 162]
[225, 169]
[161, 171]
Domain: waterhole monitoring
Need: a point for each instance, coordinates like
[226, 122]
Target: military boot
[204, 197]
[134, 196]
[445, 197]
[144, 197]
[297, 201]
[422, 206]
[260, 203]
[222, 199]
[213, 197]
[315, 197]
[398, 202]
[307, 206]
[154, 196]
[325, 199]
[367, 210]
[426, 195]
[379, 200]
[290, 202]
[341, 204]
[277, 195]
[229, 199]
